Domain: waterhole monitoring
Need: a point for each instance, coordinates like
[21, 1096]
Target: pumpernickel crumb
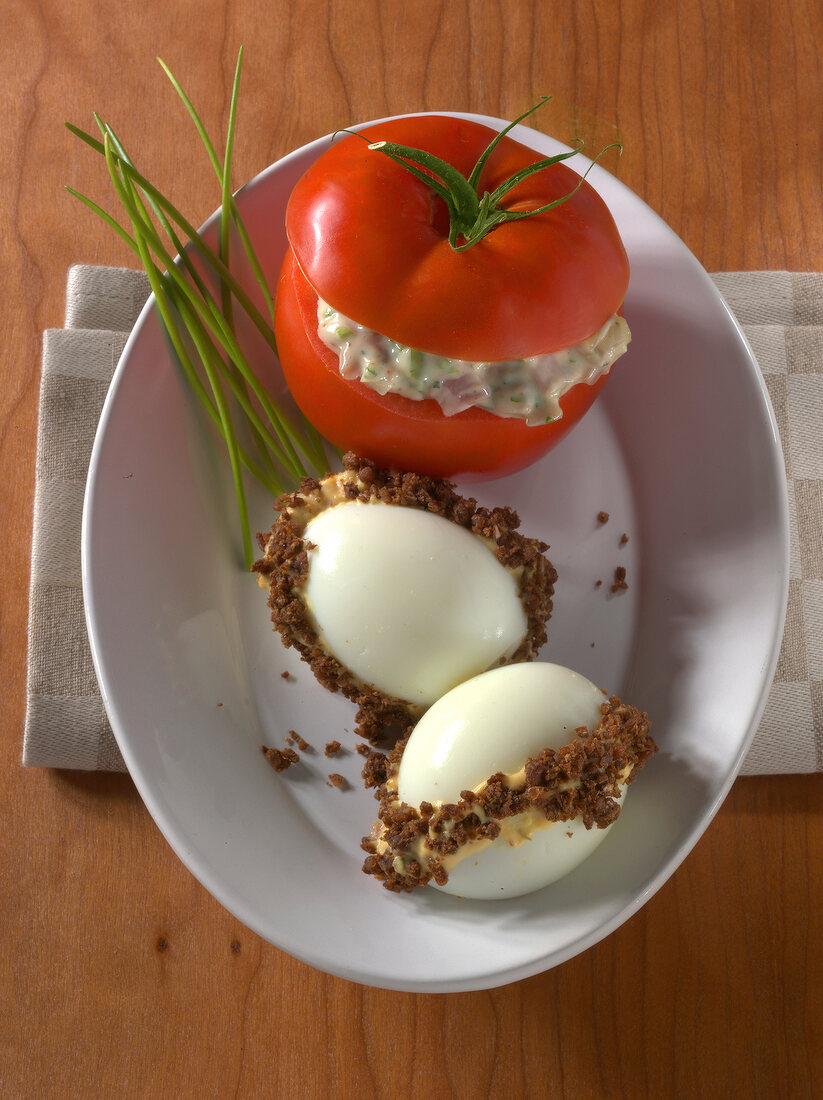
[280, 759]
[283, 569]
[285, 675]
[338, 781]
[363, 748]
[624, 538]
[602, 517]
[332, 749]
[376, 770]
[301, 743]
[620, 583]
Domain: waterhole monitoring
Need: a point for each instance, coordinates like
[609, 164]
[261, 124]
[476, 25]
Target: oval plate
[681, 450]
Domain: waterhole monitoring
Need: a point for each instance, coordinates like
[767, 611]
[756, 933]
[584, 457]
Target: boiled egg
[494, 723]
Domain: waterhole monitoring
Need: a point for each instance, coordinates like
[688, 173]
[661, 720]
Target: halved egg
[507, 783]
[395, 589]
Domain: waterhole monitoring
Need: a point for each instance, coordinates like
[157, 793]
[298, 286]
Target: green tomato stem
[487, 152]
[461, 199]
[472, 216]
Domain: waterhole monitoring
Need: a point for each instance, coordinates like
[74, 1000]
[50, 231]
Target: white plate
[681, 449]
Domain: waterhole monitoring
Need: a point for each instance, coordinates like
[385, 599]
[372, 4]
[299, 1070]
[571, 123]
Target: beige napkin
[66, 724]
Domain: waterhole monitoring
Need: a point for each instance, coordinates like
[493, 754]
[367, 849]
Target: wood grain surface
[119, 975]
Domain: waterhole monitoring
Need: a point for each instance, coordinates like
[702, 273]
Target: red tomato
[372, 240]
[395, 431]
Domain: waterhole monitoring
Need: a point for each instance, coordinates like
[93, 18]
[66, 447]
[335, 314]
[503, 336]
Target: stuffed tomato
[450, 301]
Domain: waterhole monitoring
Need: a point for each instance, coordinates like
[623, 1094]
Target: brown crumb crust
[602, 517]
[284, 570]
[280, 759]
[332, 748]
[338, 781]
[582, 779]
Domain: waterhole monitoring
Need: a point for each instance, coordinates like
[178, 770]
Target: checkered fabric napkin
[66, 724]
[782, 315]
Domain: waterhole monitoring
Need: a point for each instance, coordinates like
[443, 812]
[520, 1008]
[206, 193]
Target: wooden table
[119, 975]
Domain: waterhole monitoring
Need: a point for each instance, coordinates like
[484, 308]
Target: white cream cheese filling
[527, 389]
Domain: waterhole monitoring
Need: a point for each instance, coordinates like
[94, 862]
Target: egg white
[408, 601]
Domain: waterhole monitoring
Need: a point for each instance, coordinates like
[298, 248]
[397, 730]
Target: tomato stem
[472, 215]
[442, 178]
[487, 152]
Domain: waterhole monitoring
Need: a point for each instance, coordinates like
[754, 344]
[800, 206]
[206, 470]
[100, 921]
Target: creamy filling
[514, 830]
[526, 389]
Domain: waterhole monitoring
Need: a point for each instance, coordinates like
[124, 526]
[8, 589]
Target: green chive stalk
[201, 326]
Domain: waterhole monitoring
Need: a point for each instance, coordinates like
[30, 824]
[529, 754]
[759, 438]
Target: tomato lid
[372, 240]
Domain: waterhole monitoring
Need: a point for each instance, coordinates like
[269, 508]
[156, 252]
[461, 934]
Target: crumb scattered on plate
[333, 748]
[620, 583]
[296, 739]
[602, 517]
[280, 759]
[338, 781]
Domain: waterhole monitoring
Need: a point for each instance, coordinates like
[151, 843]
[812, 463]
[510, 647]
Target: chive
[343, 332]
[251, 255]
[201, 329]
[416, 363]
[163, 305]
[208, 254]
[162, 288]
[220, 331]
